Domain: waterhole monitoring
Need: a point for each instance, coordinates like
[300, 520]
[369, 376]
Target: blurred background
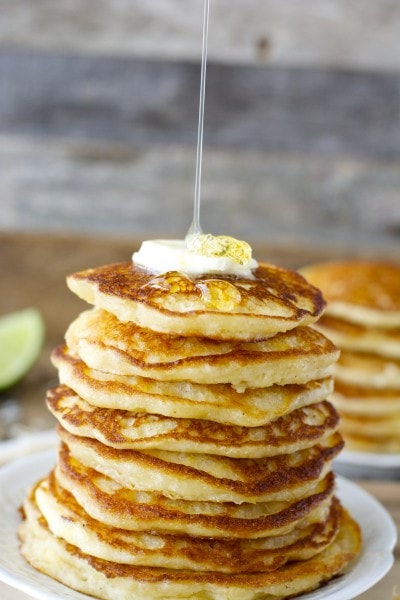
[98, 119]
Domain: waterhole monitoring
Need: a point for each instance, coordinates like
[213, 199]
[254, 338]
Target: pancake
[375, 427]
[200, 477]
[140, 431]
[229, 307]
[360, 442]
[106, 344]
[355, 337]
[363, 292]
[363, 319]
[113, 504]
[357, 400]
[251, 407]
[67, 520]
[372, 425]
[368, 370]
[371, 432]
[110, 580]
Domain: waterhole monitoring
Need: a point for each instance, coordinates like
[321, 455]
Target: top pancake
[226, 307]
[364, 292]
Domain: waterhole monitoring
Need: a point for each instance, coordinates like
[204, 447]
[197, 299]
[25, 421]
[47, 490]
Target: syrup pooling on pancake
[199, 254]
[215, 293]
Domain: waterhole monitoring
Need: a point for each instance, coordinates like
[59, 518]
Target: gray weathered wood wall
[98, 118]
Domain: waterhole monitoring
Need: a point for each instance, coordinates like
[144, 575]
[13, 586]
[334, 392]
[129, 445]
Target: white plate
[370, 459]
[367, 465]
[27, 443]
[376, 558]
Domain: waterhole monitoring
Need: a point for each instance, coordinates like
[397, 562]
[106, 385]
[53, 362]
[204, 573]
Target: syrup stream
[195, 227]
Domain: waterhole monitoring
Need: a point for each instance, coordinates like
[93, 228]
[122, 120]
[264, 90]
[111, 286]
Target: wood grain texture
[98, 118]
[362, 34]
[145, 192]
[144, 102]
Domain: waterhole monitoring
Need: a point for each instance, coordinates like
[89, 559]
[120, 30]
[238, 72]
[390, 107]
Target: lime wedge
[21, 339]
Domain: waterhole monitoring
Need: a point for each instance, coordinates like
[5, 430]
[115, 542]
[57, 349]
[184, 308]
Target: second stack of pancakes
[196, 441]
[363, 319]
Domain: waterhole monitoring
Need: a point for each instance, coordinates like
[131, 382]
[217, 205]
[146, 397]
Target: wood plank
[362, 34]
[143, 102]
[146, 192]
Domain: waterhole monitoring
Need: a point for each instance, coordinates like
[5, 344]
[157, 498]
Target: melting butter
[219, 246]
[211, 254]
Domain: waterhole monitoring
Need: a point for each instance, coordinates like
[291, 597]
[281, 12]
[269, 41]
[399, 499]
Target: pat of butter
[160, 256]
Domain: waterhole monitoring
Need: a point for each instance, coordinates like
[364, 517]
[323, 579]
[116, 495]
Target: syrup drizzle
[195, 227]
[216, 294]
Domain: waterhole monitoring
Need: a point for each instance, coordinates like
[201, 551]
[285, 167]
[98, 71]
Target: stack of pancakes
[196, 441]
[363, 319]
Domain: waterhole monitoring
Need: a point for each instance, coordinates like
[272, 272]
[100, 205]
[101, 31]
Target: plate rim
[369, 459]
[337, 589]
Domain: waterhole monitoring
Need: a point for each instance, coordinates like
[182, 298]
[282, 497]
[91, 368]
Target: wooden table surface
[32, 273]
